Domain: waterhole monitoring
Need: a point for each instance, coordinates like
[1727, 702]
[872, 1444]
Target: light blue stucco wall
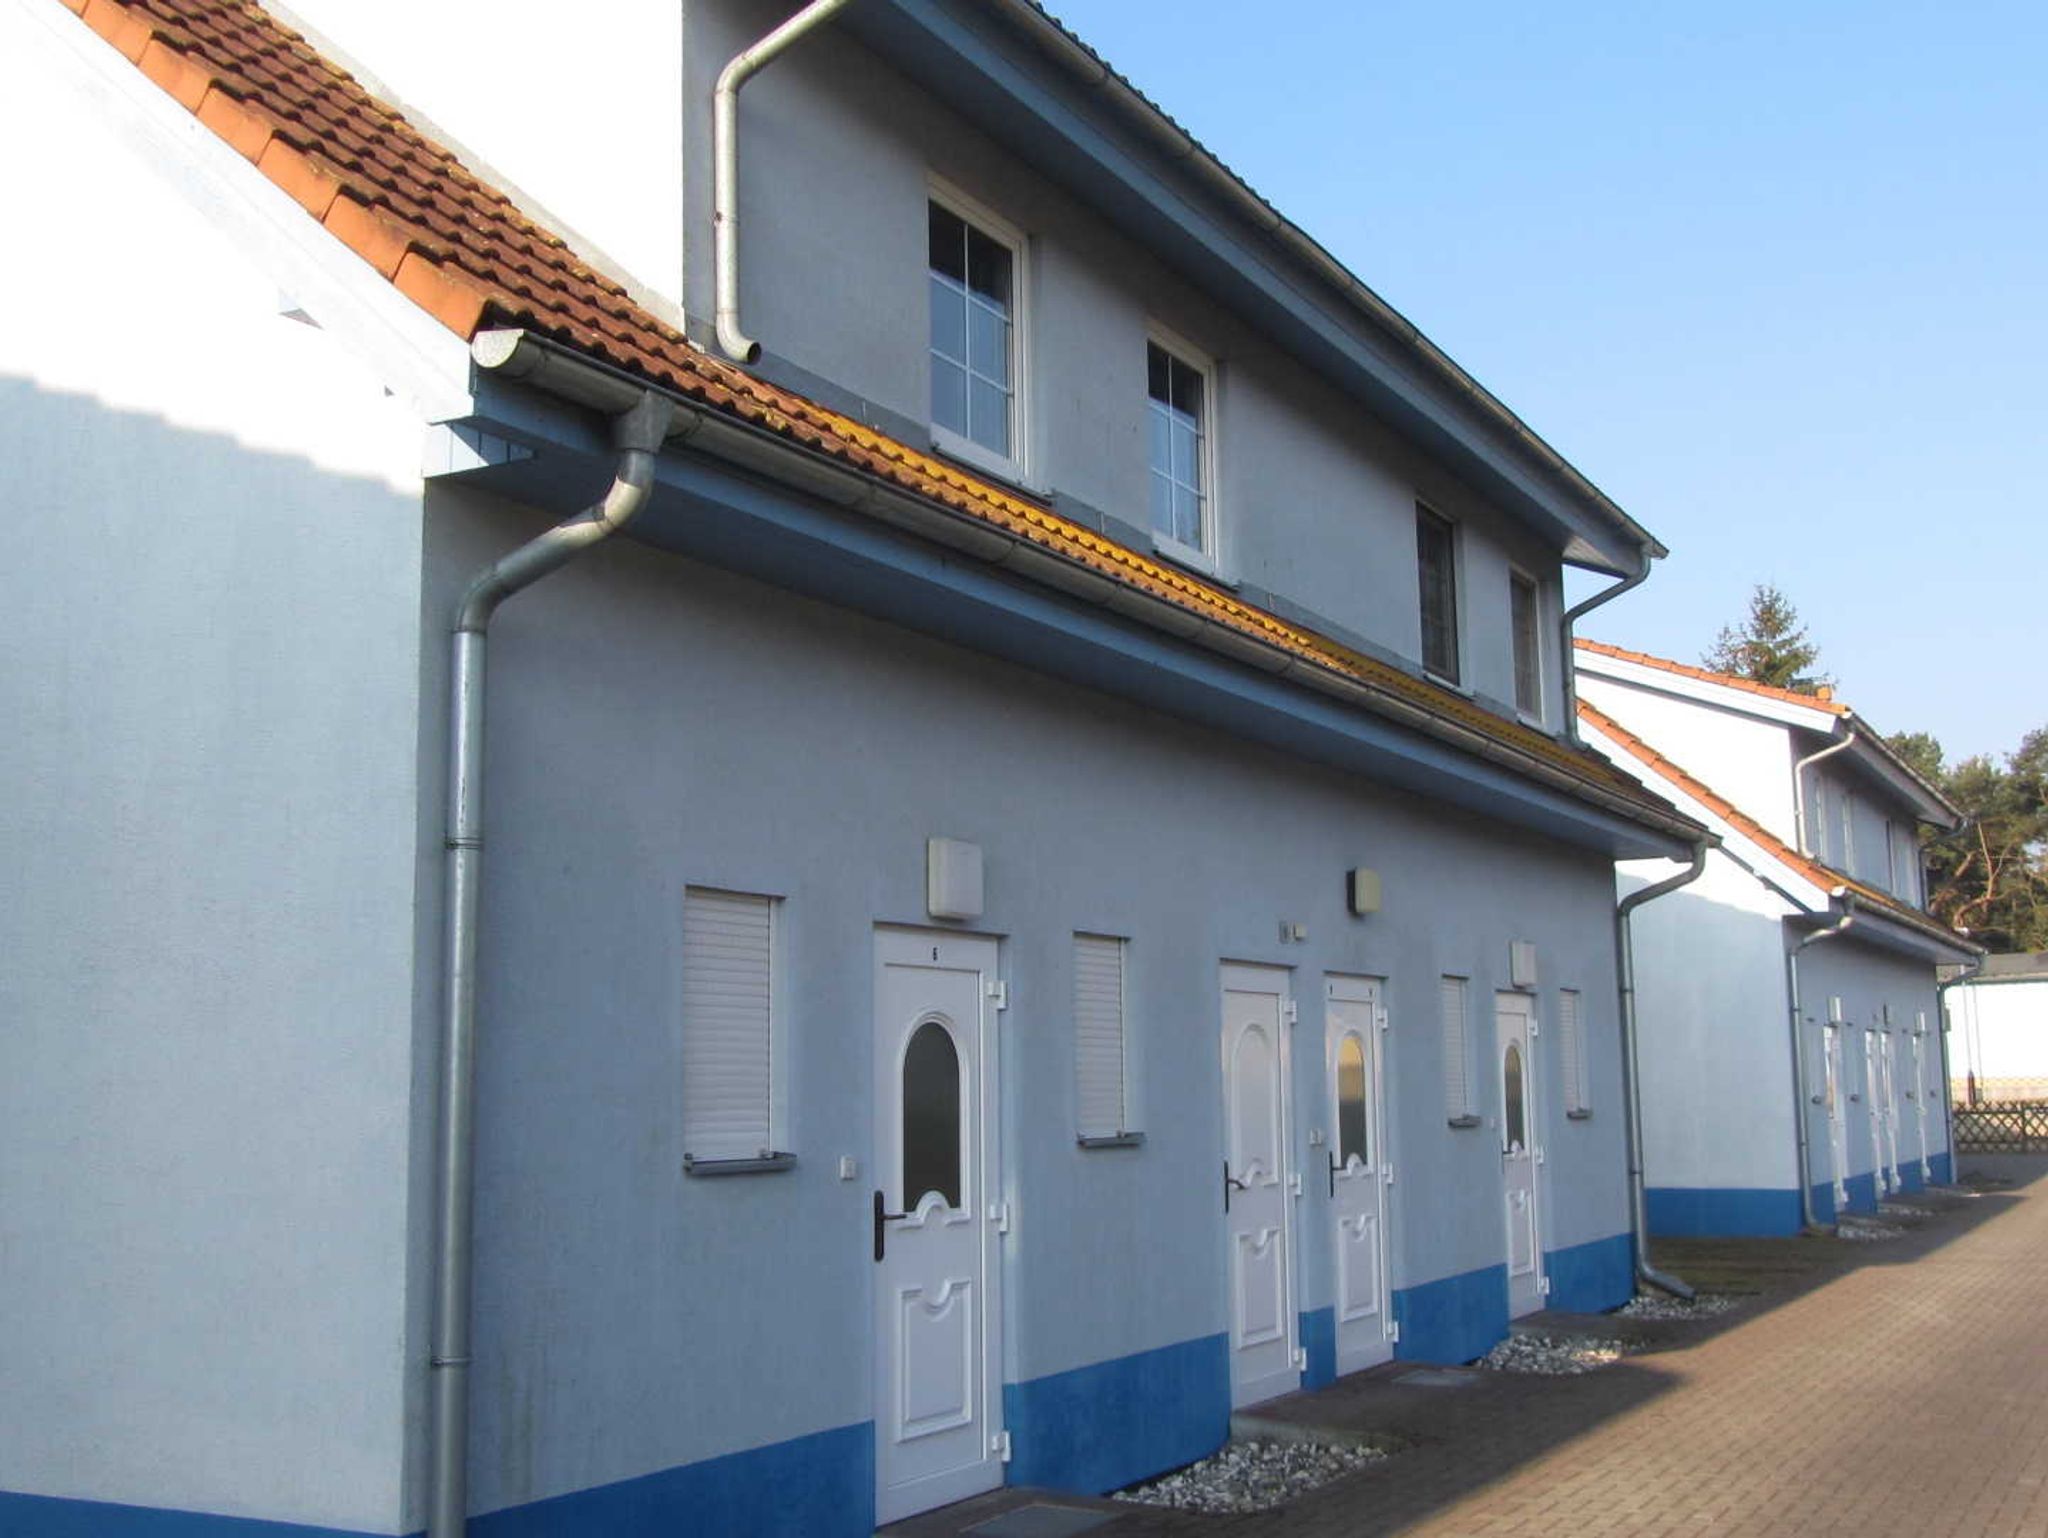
[1316, 498]
[655, 723]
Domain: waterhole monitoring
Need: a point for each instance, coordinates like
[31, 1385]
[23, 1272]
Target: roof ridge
[470, 257]
[1826, 701]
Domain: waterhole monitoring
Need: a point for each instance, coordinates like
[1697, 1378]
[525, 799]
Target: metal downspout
[725, 167]
[1799, 786]
[1801, 1095]
[638, 434]
[1631, 1082]
[1948, 1089]
[1566, 620]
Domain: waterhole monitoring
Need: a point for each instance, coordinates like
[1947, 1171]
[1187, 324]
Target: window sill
[1533, 722]
[1462, 1121]
[1199, 562]
[767, 1164]
[1112, 1140]
[980, 460]
[1449, 683]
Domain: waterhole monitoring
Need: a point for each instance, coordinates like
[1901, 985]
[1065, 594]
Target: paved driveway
[1895, 1388]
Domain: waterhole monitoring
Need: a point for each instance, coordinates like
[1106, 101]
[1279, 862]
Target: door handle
[883, 1217]
[1229, 1181]
[1333, 1176]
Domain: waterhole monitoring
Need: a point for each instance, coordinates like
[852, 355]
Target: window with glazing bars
[1522, 618]
[1178, 411]
[1436, 546]
[974, 395]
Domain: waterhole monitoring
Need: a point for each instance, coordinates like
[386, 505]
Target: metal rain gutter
[518, 354]
[725, 166]
[1802, 1096]
[1631, 1077]
[637, 433]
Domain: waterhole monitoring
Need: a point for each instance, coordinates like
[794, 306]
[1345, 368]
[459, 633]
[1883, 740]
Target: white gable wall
[206, 955]
[1713, 1022]
[1746, 760]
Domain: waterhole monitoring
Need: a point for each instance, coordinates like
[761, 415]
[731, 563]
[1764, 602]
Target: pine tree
[1769, 647]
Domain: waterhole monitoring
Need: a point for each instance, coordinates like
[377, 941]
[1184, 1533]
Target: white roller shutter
[1457, 1050]
[727, 967]
[1099, 1035]
[1571, 1031]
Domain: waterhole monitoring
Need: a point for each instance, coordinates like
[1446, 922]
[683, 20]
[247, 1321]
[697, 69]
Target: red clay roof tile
[1822, 701]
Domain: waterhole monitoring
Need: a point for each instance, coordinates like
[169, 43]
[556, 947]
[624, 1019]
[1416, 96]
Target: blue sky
[1775, 276]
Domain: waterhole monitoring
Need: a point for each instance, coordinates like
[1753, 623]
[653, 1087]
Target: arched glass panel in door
[931, 1116]
[1514, 1115]
[1351, 1123]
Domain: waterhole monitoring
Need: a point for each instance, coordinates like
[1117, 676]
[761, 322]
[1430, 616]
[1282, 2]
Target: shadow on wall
[209, 783]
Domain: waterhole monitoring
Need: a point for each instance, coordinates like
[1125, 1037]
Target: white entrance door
[1514, 1023]
[1838, 1125]
[937, 1358]
[1265, 1359]
[1873, 1102]
[1919, 1094]
[1359, 1169]
[1888, 1085]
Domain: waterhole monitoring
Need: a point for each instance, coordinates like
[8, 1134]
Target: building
[1792, 1063]
[1061, 792]
[1998, 1030]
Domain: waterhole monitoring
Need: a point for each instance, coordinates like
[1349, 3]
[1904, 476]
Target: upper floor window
[974, 287]
[1523, 612]
[1181, 447]
[1436, 548]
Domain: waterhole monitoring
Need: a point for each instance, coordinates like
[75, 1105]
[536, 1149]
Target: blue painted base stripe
[1453, 1319]
[1101, 1427]
[1593, 1277]
[1824, 1203]
[1862, 1193]
[44, 1516]
[1319, 1344]
[1688, 1212]
[822, 1485]
[1943, 1167]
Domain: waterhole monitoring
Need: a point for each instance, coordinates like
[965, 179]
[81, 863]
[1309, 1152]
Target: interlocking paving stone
[1885, 1391]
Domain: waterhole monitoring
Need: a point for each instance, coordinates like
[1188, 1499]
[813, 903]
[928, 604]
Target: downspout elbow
[733, 341]
[1632, 1110]
[1565, 622]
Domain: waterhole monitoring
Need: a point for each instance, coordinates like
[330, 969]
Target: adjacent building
[1040, 888]
[1998, 1030]
[1792, 1059]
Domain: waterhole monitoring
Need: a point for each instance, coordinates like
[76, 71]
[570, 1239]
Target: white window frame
[1124, 1134]
[1460, 1102]
[1458, 590]
[776, 1155]
[1540, 716]
[1848, 864]
[1208, 559]
[1571, 1040]
[1016, 466]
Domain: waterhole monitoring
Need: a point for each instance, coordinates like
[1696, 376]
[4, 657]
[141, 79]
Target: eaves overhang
[761, 508]
[1887, 931]
[1090, 138]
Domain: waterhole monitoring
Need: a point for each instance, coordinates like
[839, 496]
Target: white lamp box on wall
[952, 879]
[1362, 891]
[1521, 964]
